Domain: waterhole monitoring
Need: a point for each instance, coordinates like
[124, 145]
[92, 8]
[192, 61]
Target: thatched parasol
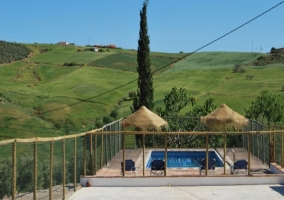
[223, 118]
[144, 118]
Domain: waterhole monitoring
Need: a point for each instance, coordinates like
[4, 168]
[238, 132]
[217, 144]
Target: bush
[70, 64]
[113, 114]
[106, 120]
[242, 70]
[5, 177]
[249, 77]
[238, 68]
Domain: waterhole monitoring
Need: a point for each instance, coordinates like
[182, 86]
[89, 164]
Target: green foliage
[175, 101]
[249, 76]
[106, 120]
[5, 177]
[44, 50]
[70, 64]
[238, 68]
[145, 91]
[10, 52]
[275, 56]
[268, 109]
[113, 114]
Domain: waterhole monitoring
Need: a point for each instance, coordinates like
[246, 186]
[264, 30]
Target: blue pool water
[184, 159]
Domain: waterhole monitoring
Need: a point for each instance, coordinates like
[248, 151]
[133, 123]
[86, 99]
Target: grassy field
[38, 93]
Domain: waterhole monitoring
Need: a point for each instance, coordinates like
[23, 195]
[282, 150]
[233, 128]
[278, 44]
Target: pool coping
[154, 181]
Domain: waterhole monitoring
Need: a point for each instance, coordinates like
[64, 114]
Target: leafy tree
[175, 101]
[145, 91]
[267, 108]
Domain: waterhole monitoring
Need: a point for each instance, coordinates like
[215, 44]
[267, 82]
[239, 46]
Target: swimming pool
[184, 159]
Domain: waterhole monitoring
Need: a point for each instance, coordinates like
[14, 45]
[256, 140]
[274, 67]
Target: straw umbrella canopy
[223, 118]
[144, 118]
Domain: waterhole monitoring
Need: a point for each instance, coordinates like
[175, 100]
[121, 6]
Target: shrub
[5, 177]
[106, 120]
[113, 114]
[236, 68]
[242, 70]
[249, 77]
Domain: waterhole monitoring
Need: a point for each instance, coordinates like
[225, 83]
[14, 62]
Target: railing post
[75, 164]
[50, 169]
[253, 145]
[271, 149]
[84, 156]
[95, 154]
[106, 150]
[63, 167]
[166, 153]
[263, 148]
[111, 147]
[282, 150]
[224, 138]
[35, 169]
[143, 143]
[102, 151]
[249, 138]
[274, 146]
[206, 143]
[123, 154]
[14, 175]
[91, 154]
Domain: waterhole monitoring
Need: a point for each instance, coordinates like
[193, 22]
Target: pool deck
[112, 169]
[110, 174]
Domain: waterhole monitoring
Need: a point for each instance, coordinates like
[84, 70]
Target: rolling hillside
[41, 97]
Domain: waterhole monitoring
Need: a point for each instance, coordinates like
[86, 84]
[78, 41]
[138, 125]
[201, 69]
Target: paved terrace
[237, 192]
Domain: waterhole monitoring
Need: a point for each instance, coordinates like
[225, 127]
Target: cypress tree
[145, 91]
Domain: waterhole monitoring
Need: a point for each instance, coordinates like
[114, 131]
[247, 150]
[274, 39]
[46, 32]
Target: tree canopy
[268, 109]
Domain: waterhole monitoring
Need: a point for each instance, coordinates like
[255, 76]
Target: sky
[173, 26]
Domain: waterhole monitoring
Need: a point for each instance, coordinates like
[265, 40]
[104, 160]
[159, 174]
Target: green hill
[39, 96]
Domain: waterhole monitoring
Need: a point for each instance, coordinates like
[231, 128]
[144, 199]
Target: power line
[118, 87]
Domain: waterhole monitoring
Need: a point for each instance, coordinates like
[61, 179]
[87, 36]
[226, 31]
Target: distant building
[96, 49]
[111, 46]
[63, 43]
